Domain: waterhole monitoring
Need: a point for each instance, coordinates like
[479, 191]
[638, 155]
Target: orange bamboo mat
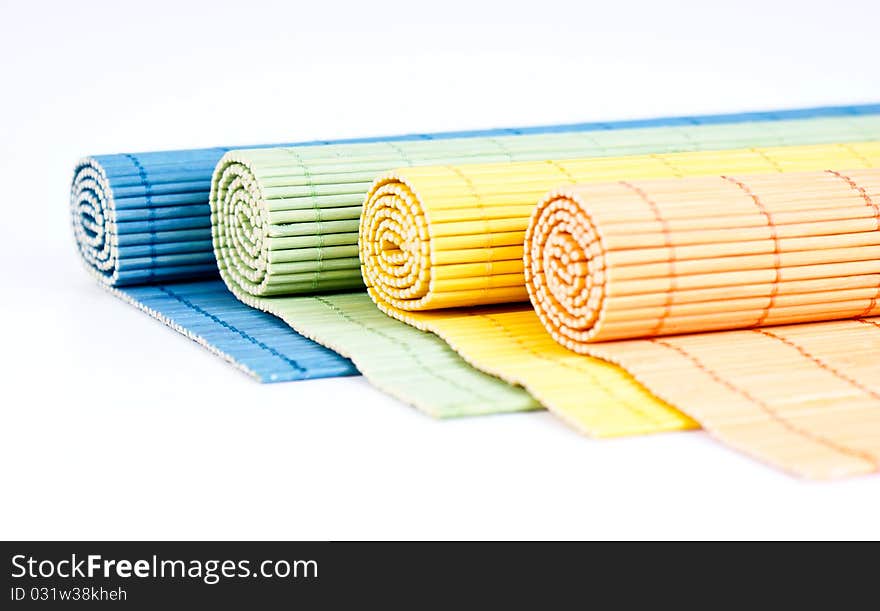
[647, 259]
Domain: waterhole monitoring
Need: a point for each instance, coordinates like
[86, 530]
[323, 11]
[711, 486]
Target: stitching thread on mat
[865, 321]
[852, 151]
[766, 157]
[685, 132]
[822, 364]
[148, 199]
[633, 409]
[861, 191]
[235, 330]
[476, 194]
[563, 170]
[400, 151]
[667, 238]
[503, 148]
[818, 439]
[592, 138]
[306, 173]
[871, 204]
[676, 170]
[407, 349]
[774, 235]
[314, 195]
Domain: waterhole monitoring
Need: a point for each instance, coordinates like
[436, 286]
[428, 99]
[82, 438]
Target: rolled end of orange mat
[636, 259]
[564, 261]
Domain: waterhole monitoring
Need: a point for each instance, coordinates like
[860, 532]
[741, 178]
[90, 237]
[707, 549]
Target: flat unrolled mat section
[509, 340]
[639, 261]
[258, 344]
[142, 220]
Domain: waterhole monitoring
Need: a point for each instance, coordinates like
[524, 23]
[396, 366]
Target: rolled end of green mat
[93, 215]
[274, 231]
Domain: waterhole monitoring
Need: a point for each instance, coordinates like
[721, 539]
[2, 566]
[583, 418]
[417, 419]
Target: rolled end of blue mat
[94, 220]
[144, 219]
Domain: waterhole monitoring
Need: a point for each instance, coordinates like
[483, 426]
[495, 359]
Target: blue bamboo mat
[259, 344]
[142, 223]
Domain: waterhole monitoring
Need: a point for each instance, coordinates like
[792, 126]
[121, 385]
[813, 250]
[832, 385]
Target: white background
[116, 427]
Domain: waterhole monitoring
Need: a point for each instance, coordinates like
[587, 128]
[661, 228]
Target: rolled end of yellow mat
[424, 245]
[394, 245]
[564, 259]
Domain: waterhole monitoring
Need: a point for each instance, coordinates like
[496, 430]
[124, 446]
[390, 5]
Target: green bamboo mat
[416, 368]
[284, 222]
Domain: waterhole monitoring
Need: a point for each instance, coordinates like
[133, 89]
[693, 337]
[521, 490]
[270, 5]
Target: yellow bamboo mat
[452, 236]
[649, 259]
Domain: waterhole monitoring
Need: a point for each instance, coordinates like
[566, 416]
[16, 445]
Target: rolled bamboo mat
[641, 259]
[451, 236]
[639, 272]
[141, 223]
